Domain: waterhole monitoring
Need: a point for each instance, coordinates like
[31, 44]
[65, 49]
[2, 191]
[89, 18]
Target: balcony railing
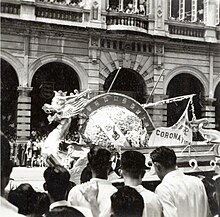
[9, 8]
[116, 19]
[218, 32]
[58, 14]
[187, 30]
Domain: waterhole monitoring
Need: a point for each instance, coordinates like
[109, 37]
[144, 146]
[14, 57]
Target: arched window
[50, 77]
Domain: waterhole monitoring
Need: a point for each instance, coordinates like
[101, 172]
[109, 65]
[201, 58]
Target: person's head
[164, 160]
[133, 164]
[86, 174]
[64, 211]
[24, 197]
[56, 182]
[211, 191]
[217, 187]
[127, 202]
[6, 163]
[99, 162]
[42, 205]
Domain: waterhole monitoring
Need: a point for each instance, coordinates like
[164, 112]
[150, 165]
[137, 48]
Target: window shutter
[194, 11]
[182, 9]
[169, 8]
[121, 5]
[148, 7]
[206, 10]
[217, 19]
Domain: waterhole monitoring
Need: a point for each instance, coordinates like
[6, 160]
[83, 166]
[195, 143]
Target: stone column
[208, 111]
[158, 113]
[24, 114]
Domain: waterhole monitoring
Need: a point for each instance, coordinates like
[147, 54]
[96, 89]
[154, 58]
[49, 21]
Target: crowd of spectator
[30, 154]
[64, 2]
[177, 195]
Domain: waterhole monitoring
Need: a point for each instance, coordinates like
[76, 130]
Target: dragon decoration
[62, 109]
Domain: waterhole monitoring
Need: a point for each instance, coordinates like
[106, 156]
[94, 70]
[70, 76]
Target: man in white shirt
[99, 162]
[181, 195]
[6, 208]
[57, 183]
[133, 169]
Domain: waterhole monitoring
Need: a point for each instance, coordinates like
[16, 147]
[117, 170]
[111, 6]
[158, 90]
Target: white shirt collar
[104, 181]
[59, 203]
[172, 175]
[8, 205]
[139, 188]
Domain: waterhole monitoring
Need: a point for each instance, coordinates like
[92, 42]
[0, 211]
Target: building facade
[165, 48]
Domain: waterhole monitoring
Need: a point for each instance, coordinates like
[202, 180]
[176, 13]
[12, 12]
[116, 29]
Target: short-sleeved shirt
[152, 204]
[182, 195]
[105, 191]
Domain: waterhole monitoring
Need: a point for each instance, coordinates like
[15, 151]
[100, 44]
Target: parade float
[119, 123]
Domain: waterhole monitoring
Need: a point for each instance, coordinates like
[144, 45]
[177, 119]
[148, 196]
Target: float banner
[111, 130]
[179, 134]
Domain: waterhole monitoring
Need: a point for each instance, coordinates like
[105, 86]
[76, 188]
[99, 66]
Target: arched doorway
[9, 97]
[217, 107]
[128, 82]
[184, 84]
[50, 77]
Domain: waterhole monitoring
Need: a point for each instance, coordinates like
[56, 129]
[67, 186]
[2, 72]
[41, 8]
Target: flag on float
[111, 130]
[176, 135]
[170, 100]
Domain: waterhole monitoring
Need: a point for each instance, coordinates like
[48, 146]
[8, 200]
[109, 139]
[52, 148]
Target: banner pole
[116, 75]
[154, 86]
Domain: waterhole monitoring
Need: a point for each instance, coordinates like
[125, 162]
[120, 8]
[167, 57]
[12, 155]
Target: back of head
[217, 187]
[86, 174]
[99, 160]
[6, 164]
[127, 202]
[24, 197]
[133, 162]
[57, 181]
[165, 156]
[64, 211]
[211, 191]
[43, 204]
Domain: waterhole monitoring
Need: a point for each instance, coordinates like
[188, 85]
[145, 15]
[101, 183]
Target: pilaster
[24, 114]
[28, 10]
[94, 56]
[210, 31]
[208, 111]
[158, 113]
[160, 11]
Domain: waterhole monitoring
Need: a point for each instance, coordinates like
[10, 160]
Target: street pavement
[33, 176]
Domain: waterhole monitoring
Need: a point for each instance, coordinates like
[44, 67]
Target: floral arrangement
[129, 124]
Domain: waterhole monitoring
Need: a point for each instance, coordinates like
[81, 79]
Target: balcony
[9, 8]
[80, 15]
[123, 21]
[186, 30]
[45, 11]
[58, 14]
